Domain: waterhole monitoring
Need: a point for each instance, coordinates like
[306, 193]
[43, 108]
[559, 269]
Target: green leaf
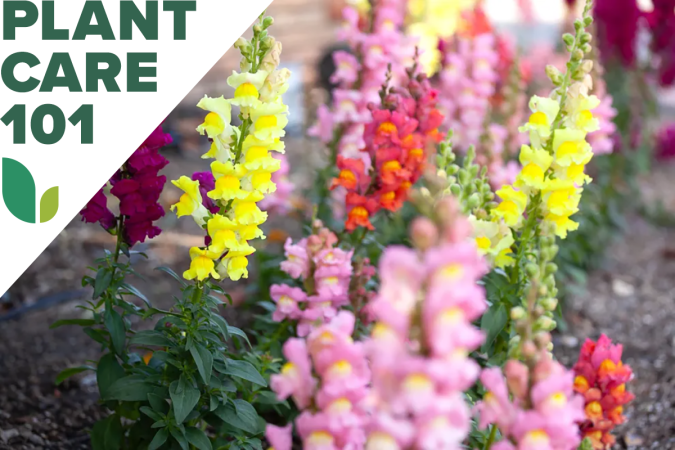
[150, 337]
[180, 438]
[132, 388]
[493, 322]
[238, 332]
[18, 190]
[80, 322]
[158, 403]
[96, 335]
[137, 293]
[107, 372]
[184, 398]
[198, 438]
[245, 370]
[107, 434]
[221, 323]
[239, 414]
[115, 325]
[49, 204]
[203, 360]
[173, 274]
[103, 279]
[150, 413]
[67, 373]
[159, 439]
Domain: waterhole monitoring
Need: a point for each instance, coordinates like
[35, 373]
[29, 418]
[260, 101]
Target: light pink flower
[295, 378]
[287, 299]
[347, 68]
[280, 438]
[323, 129]
[349, 106]
[297, 260]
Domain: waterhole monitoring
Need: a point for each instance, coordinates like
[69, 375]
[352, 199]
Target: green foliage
[192, 389]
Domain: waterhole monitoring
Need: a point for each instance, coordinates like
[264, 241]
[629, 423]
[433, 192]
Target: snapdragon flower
[601, 378]
[138, 187]
[242, 174]
[423, 331]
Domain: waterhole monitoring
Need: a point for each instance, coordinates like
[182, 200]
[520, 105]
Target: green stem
[491, 438]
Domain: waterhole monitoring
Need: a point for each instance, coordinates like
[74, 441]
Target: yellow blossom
[579, 107]
[223, 235]
[219, 117]
[247, 86]
[202, 265]
[561, 197]
[276, 84]
[493, 239]
[535, 163]
[544, 111]
[228, 181]
[269, 120]
[561, 224]
[235, 264]
[570, 147]
[512, 206]
[190, 203]
[246, 211]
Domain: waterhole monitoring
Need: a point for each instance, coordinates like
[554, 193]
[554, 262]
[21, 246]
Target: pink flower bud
[516, 378]
[423, 233]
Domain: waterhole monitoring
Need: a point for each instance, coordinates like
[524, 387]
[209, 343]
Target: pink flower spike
[295, 378]
[297, 260]
[287, 299]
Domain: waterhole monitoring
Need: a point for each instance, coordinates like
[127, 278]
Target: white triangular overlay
[121, 120]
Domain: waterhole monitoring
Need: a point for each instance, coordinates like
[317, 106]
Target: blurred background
[629, 295]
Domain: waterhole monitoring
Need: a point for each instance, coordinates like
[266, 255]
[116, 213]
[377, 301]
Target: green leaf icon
[18, 190]
[49, 204]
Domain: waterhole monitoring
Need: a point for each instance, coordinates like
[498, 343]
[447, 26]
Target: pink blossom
[323, 129]
[349, 107]
[287, 299]
[295, 378]
[347, 68]
[297, 260]
[280, 438]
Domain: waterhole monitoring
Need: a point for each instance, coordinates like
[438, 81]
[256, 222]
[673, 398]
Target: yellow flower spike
[202, 265]
[246, 87]
[561, 197]
[562, 224]
[228, 181]
[544, 111]
[190, 203]
[512, 206]
[570, 147]
[276, 145]
[535, 163]
[246, 211]
[269, 120]
[218, 120]
[579, 107]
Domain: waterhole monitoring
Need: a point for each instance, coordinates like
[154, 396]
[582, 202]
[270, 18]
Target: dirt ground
[630, 299]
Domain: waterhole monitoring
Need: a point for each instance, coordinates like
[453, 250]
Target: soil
[630, 299]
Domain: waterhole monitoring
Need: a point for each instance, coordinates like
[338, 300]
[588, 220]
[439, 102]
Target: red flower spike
[601, 378]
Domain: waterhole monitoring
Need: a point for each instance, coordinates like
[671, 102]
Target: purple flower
[97, 211]
[206, 183]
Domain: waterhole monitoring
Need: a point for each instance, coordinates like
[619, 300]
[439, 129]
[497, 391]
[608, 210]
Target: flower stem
[491, 438]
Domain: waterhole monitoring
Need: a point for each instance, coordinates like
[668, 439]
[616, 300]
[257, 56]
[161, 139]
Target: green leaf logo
[18, 192]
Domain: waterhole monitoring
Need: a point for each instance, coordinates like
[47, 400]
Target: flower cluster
[534, 408]
[551, 181]
[467, 85]
[243, 166]
[327, 376]
[361, 72]
[601, 378]
[617, 29]
[423, 331]
[396, 142]
[138, 186]
[662, 23]
[325, 271]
